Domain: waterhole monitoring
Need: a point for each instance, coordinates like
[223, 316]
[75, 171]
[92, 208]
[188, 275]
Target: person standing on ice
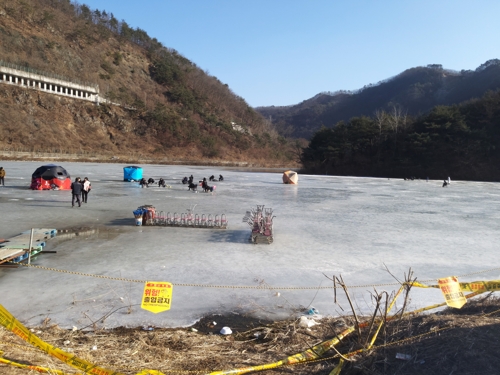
[85, 189]
[76, 192]
[2, 176]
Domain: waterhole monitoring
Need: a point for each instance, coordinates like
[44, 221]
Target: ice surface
[325, 226]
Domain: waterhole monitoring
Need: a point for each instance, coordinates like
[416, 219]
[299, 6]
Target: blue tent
[132, 173]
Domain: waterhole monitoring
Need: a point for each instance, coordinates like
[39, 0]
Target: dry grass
[451, 342]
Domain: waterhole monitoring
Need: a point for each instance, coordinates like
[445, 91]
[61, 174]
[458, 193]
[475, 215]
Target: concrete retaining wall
[50, 85]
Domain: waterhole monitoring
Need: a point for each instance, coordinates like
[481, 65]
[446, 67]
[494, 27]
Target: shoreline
[86, 158]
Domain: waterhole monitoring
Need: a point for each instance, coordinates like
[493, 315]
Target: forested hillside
[461, 141]
[169, 107]
[415, 91]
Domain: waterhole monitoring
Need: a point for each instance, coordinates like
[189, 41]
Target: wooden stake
[31, 244]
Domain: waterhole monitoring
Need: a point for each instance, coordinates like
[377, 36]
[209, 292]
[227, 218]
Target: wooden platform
[7, 254]
[15, 248]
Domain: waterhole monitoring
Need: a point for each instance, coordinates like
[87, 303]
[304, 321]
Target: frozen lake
[324, 226]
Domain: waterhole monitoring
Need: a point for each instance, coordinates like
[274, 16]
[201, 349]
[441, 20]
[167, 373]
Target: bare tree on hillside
[398, 119]
[380, 120]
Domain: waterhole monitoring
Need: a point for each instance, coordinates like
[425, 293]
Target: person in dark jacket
[76, 192]
[161, 183]
[143, 183]
[206, 187]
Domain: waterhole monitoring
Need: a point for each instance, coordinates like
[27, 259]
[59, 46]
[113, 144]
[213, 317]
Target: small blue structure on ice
[132, 173]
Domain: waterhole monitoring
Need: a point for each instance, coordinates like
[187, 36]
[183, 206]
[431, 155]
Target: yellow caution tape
[13, 325]
[467, 296]
[338, 368]
[473, 286]
[52, 371]
[39, 369]
[317, 351]
[481, 286]
[389, 308]
[309, 355]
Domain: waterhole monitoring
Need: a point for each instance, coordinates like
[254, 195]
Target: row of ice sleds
[147, 215]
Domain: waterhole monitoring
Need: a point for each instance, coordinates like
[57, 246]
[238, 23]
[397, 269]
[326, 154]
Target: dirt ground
[464, 341]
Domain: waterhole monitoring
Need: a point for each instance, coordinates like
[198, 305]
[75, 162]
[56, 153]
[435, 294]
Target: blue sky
[281, 52]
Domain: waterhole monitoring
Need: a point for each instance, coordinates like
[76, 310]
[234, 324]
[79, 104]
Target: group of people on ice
[445, 182]
[212, 178]
[80, 191]
[144, 183]
[186, 180]
[204, 184]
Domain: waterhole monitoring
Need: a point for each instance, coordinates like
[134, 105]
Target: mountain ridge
[416, 90]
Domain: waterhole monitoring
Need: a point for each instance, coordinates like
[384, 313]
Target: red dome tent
[49, 176]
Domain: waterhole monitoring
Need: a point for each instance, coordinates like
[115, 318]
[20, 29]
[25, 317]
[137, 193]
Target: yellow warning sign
[450, 287]
[157, 296]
